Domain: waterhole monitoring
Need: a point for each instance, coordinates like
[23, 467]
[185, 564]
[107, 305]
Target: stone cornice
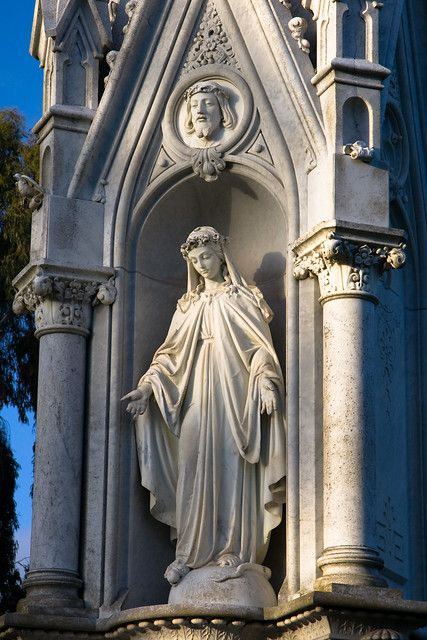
[359, 73]
[347, 258]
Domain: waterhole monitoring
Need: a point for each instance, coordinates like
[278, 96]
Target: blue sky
[21, 88]
[21, 77]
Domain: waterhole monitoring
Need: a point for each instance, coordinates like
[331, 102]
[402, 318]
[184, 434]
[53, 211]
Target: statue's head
[204, 250]
[208, 110]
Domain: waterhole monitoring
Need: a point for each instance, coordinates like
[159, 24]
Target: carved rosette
[345, 267]
[61, 303]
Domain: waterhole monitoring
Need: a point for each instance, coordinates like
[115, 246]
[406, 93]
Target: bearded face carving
[208, 112]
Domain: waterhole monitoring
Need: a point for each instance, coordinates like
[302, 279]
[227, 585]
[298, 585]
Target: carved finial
[129, 8]
[107, 292]
[395, 259]
[113, 6]
[359, 150]
[298, 27]
[110, 59]
[32, 193]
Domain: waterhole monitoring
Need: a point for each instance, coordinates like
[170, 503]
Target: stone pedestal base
[343, 612]
[246, 585]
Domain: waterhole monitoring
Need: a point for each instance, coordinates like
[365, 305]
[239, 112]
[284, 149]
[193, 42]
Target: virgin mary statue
[209, 415]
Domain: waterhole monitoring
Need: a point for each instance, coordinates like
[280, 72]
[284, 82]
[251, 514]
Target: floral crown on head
[200, 237]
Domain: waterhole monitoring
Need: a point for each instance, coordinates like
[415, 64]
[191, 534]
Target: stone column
[348, 267]
[63, 310]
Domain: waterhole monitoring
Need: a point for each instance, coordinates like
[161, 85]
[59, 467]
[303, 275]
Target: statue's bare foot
[228, 560]
[176, 571]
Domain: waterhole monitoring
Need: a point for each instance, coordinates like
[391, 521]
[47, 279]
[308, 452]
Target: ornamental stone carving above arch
[207, 115]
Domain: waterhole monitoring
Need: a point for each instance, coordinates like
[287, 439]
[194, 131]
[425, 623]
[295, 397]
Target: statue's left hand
[138, 400]
[268, 397]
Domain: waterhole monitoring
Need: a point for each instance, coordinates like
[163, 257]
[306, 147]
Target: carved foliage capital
[345, 267]
[62, 303]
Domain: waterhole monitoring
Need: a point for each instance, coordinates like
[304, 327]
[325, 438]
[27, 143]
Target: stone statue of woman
[210, 429]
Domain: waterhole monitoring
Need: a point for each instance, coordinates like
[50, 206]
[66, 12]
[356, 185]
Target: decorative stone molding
[340, 563]
[346, 265]
[62, 303]
[211, 44]
[100, 195]
[382, 634]
[359, 150]
[350, 614]
[298, 27]
[395, 144]
[185, 629]
[207, 163]
[32, 193]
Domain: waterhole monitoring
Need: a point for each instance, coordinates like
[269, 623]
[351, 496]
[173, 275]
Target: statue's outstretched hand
[138, 400]
[268, 397]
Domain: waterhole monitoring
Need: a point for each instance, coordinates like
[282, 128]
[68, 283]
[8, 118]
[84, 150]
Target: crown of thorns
[201, 239]
[204, 87]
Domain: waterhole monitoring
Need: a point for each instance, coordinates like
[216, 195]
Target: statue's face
[206, 262]
[205, 114]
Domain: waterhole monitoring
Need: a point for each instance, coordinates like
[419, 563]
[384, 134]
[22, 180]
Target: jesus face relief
[206, 114]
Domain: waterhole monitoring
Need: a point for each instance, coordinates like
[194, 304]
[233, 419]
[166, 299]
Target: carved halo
[175, 135]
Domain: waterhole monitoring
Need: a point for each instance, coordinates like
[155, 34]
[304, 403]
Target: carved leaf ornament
[211, 44]
[61, 300]
[343, 266]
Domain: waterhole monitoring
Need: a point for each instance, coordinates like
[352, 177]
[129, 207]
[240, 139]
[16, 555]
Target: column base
[51, 590]
[352, 565]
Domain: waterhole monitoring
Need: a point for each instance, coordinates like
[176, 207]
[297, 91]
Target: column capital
[348, 258]
[62, 298]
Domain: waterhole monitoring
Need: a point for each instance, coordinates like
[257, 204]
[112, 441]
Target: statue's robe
[214, 466]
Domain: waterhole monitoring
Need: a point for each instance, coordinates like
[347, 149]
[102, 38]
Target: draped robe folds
[214, 466]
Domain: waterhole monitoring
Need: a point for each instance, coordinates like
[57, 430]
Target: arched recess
[356, 121]
[46, 170]
[248, 209]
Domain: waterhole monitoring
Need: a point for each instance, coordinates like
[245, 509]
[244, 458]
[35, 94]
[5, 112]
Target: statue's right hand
[138, 400]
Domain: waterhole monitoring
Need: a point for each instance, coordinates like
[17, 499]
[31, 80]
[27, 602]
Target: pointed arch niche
[247, 209]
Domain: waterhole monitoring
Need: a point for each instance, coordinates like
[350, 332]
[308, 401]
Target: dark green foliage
[10, 582]
[18, 347]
